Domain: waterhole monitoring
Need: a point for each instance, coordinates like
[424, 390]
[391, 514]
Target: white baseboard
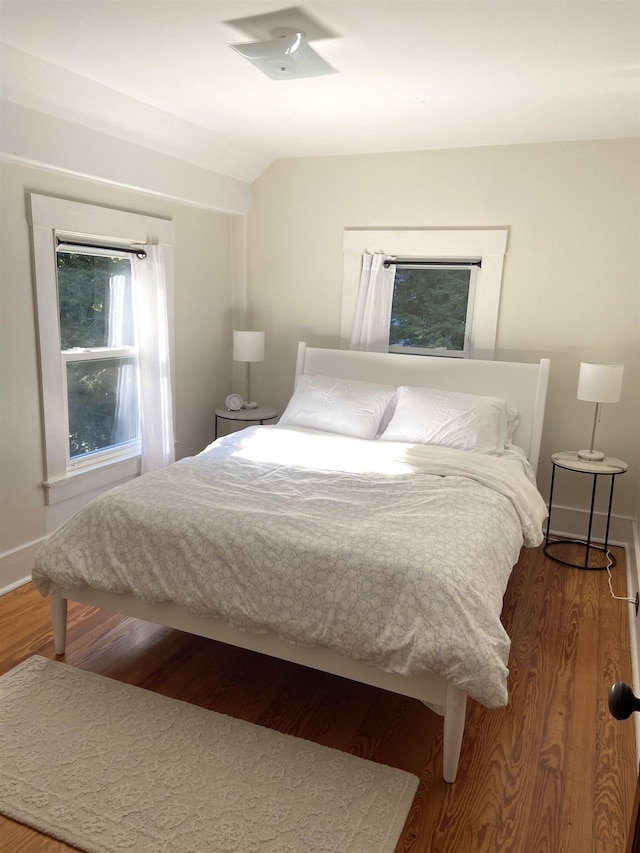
[16, 565]
[574, 524]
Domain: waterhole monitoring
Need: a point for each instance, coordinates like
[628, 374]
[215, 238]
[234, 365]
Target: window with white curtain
[103, 281]
[449, 308]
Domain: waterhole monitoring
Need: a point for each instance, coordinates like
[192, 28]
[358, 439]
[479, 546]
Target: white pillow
[449, 419]
[513, 421]
[338, 405]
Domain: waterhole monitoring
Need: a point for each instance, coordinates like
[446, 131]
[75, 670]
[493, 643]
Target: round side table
[259, 415]
[607, 467]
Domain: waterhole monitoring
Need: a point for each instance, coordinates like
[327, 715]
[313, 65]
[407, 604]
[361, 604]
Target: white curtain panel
[126, 414]
[152, 337]
[119, 334]
[373, 308]
[116, 333]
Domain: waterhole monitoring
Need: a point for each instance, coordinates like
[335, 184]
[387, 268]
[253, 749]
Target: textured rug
[108, 767]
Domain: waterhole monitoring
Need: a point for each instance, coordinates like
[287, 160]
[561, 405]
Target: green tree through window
[95, 310]
[429, 309]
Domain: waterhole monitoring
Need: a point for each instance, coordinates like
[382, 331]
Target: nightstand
[607, 467]
[259, 415]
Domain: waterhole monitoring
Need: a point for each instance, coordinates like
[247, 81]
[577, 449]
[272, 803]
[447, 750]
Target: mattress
[393, 554]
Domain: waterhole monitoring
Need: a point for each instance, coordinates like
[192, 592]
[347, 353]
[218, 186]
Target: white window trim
[48, 217]
[489, 245]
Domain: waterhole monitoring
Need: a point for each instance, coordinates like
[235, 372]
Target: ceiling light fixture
[286, 57]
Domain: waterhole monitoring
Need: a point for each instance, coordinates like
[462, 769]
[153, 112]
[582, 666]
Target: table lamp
[248, 346]
[598, 383]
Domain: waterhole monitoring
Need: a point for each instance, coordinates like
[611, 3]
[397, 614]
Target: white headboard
[524, 386]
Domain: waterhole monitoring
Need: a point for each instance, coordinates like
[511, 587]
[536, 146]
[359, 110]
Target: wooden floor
[551, 773]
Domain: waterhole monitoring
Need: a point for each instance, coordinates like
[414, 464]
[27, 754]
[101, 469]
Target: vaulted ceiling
[413, 75]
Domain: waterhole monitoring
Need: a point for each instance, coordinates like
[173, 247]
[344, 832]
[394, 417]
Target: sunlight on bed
[290, 446]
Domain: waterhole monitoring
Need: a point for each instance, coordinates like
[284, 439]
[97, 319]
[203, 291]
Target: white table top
[569, 459]
[262, 413]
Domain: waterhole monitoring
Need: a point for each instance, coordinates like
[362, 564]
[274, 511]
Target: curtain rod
[140, 253]
[419, 263]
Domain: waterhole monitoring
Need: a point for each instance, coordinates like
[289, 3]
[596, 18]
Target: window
[99, 357]
[428, 317]
[432, 309]
[103, 286]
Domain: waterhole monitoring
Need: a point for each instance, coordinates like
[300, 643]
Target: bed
[369, 534]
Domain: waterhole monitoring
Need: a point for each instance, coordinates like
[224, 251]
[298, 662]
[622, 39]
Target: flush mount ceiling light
[288, 56]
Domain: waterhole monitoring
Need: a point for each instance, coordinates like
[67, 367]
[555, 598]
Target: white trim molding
[16, 565]
[36, 139]
[489, 245]
[100, 477]
[49, 216]
[573, 523]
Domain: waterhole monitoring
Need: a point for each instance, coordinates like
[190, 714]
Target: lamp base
[591, 455]
[250, 405]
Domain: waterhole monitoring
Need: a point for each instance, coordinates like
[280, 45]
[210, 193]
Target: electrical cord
[610, 579]
[608, 567]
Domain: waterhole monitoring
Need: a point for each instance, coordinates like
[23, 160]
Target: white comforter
[394, 554]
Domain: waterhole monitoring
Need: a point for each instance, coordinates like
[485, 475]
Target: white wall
[570, 287]
[31, 138]
[203, 270]
[571, 278]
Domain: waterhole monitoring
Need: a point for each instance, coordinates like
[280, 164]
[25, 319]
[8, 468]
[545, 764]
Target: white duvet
[397, 555]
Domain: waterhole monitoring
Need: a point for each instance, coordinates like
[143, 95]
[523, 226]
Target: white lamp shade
[600, 382]
[248, 346]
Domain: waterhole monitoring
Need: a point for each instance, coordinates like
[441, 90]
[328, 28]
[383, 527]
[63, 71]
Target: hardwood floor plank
[612, 798]
[550, 772]
[16, 840]
[569, 730]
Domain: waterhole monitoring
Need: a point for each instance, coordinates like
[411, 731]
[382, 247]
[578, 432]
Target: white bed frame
[522, 385]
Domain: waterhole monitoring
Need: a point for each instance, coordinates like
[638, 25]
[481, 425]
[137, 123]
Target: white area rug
[109, 767]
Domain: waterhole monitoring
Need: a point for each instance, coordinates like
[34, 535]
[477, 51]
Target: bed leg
[59, 622]
[454, 717]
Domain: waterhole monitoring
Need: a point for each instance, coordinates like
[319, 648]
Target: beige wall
[202, 351]
[571, 278]
[570, 291]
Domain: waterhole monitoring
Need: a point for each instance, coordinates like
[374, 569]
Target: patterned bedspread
[397, 555]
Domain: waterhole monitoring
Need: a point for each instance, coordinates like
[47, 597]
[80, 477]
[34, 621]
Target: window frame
[450, 244]
[102, 353]
[468, 328]
[114, 451]
[51, 218]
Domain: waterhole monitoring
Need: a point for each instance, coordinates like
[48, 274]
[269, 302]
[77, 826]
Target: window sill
[99, 477]
[439, 353]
